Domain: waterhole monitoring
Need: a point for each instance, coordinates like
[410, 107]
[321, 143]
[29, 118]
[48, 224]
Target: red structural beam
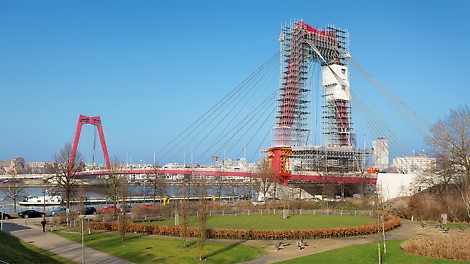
[92, 120]
[369, 179]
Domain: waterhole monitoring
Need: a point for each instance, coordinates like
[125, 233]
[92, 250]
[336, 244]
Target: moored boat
[42, 200]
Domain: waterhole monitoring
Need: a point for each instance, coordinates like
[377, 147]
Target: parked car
[128, 208]
[5, 215]
[147, 206]
[89, 210]
[58, 211]
[109, 209]
[31, 214]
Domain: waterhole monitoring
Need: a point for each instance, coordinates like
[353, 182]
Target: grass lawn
[450, 225]
[145, 249]
[275, 222]
[13, 250]
[367, 253]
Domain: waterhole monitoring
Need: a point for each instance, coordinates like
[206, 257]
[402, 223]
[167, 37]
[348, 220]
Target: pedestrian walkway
[31, 232]
[407, 230]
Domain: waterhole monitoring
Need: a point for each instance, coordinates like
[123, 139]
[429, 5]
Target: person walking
[43, 223]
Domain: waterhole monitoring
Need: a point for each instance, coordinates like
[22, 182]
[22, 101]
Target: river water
[6, 205]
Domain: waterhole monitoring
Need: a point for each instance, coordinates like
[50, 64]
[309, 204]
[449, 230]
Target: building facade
[380, 154]
[416, 163]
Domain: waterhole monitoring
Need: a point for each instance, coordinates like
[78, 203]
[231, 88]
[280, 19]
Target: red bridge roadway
[353, 179]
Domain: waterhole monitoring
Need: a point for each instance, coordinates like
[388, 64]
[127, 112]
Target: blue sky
[150, 68]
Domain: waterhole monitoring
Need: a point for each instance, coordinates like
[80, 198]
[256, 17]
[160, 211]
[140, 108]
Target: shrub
[391, 222]
[452, 247]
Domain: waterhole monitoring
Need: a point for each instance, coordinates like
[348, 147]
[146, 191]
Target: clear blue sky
[150, 68]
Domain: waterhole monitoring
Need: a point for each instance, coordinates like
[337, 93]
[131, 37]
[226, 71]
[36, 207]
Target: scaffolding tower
[302, 46]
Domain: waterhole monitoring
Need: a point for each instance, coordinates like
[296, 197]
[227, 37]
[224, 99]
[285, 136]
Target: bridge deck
[295, 176]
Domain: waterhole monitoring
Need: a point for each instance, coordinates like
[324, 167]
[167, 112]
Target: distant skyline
[151, 68]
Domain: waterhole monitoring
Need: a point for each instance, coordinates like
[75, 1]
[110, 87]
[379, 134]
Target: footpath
[30, 231]
[407, 230]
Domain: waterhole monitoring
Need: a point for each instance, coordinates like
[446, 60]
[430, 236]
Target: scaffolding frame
[301, 46]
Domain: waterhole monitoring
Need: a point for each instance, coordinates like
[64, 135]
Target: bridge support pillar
[279, 162]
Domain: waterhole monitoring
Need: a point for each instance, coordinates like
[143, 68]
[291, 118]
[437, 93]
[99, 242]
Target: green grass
[144, 249]
[449, 225]
[13, 250]
[275, 222]
[367, 253]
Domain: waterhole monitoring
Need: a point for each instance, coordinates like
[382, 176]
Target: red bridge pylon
[92, 120]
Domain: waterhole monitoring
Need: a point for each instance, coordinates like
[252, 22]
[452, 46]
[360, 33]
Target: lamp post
[3, 211]
[82, 220]
[44, 200]
[143, 165]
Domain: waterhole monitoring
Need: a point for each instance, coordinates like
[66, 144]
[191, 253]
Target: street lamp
[82, 220]
[44, 200]
[143, 165]
[2, 215]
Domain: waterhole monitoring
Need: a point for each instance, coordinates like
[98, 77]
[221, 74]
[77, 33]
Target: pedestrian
[43, 223]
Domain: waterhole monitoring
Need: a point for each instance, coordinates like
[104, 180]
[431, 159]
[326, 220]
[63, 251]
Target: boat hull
[41, 201]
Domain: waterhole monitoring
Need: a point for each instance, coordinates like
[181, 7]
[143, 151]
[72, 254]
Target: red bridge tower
[302, 45]
[92, 120]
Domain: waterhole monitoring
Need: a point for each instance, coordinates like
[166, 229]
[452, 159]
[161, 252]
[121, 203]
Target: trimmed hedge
[391, 222]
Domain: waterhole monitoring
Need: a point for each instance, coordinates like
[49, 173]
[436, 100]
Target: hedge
[391, 222]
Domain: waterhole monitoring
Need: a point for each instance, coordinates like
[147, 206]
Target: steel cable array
[373, 118]
[222, 124]
[408, 113]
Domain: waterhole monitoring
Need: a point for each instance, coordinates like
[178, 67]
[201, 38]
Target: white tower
[380, 153]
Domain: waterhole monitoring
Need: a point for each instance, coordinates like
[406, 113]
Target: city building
[380, 154]
[37, 166]
[416, 163]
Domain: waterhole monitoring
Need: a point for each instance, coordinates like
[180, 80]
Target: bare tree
[219, 185]
[185, 208]
[13, 189]
[81, 196]
[201, 192]
[124, 193]
[450, 140]
[114, 184]
[65, 175]
[464, 191]
[157, 184]
[264, 179]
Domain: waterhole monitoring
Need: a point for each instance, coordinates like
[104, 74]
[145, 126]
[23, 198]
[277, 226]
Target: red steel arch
[92, 120]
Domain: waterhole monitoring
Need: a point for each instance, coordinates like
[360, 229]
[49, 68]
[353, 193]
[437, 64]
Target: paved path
[407, 230]
[30, 231]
